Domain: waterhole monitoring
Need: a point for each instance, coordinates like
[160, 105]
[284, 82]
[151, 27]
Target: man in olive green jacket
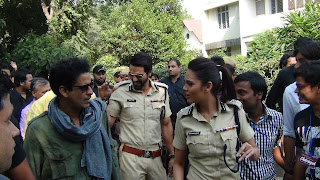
[72, 139]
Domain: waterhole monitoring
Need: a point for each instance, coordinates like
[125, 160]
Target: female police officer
[208, 129]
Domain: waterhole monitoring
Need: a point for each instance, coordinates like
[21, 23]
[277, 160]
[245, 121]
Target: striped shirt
[268, 131]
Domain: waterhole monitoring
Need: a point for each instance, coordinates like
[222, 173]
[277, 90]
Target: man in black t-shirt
[307, 122]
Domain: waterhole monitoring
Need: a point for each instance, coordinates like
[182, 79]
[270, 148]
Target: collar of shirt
[154, 88]
[266, 115]
[222, 108]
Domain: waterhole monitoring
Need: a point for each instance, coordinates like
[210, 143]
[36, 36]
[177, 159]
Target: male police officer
[143, 109]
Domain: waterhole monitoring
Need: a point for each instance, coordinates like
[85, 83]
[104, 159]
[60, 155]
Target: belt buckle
[147, 154]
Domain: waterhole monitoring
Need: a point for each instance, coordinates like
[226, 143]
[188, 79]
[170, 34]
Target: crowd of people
[210, 123]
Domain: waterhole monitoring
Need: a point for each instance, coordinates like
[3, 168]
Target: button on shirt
[268, 131]
[139, 114]
[206, 145]
[176, 94]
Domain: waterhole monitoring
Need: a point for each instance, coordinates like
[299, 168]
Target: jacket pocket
[62, 164]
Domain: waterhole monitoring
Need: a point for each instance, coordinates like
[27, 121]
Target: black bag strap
[236, 119]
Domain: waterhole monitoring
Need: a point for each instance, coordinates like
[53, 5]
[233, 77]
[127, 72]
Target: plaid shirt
[268, 131]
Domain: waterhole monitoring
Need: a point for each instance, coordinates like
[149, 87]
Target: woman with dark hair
[210, 126]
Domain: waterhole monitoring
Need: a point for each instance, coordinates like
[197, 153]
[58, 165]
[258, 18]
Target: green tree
[38, 53]
[17, 19]
[153, 26]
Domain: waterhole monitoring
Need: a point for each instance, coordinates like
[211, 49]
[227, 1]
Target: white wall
[211, 31]
[243, 21]
[251, 24]
[193, 42]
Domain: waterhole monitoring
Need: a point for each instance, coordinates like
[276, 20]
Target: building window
[295, 4]
[228, 51]
[276, 6]
[188, 36]
[223, 17]
[260, 7]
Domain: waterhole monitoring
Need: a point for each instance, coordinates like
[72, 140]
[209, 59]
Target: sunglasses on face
[84, 88]
[123, 75]
[139, 76]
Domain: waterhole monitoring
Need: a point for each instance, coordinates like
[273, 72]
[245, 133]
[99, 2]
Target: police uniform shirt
[205, 140]
[139, 114]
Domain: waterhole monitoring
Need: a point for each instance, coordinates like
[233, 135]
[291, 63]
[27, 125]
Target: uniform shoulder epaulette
[122, 83]
[185, 111]
[161, 84]
[234, 102]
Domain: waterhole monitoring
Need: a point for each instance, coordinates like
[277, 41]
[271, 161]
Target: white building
[232, 23]
[192, 31]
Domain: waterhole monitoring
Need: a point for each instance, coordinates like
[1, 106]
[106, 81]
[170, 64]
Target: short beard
[142, 83]
[98, 83]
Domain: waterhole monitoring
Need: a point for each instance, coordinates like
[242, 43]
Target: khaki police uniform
[140, 127]
[205, 140]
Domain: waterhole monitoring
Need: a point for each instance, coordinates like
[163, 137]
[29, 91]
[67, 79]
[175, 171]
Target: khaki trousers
[134, 167]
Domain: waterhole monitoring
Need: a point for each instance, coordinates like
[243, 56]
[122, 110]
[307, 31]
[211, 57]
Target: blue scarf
[97, 152]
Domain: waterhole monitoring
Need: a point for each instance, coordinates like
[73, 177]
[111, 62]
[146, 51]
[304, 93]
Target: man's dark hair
[218, 60]
[257, 82]
[142, 59]
[176, 60]
[310, 51]
[301, 41]
[284, 60]
[155, 75]
[38, 81]
[117, 74]
[5, 86]
[20, 76]
[65, 73]
[310, 72]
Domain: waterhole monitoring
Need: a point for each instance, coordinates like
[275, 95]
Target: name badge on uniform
[226, 128]
[308, 160]
[156, 100]
[131, 100]
[195, 133]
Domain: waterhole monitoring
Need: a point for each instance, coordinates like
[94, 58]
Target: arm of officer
[111, 120]
[167, 133]
[178, 166]
[249, 150]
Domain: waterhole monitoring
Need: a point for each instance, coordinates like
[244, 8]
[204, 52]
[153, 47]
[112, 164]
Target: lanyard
[254, 127]
[311, 151]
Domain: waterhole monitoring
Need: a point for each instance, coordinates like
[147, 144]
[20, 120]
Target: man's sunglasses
[84, 88]
[139, 76]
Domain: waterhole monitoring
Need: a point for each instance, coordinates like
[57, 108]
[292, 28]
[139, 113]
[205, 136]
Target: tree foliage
[38, 53]
[153, 26]
[266, 49]
[17, 20]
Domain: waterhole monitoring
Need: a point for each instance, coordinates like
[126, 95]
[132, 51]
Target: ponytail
[227, 86]
[207, 70]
